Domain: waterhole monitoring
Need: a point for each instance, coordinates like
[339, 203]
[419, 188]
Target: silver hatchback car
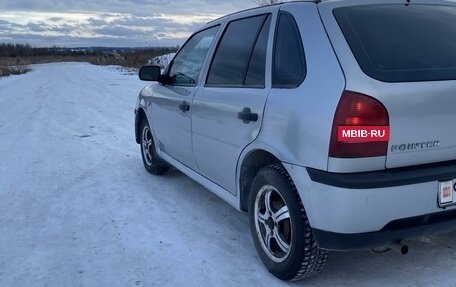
[330, 122]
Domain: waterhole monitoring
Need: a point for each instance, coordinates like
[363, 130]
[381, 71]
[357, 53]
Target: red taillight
[356, 109]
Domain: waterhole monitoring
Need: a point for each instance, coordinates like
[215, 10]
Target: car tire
[152, 162]
[280, 228]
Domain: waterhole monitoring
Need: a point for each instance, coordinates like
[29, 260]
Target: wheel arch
[251, 163]
[140, 115]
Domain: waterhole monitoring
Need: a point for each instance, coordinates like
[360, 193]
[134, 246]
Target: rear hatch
[405, 57]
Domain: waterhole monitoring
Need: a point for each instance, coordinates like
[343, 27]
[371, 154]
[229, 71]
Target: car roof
[316, 2]
[264, 6]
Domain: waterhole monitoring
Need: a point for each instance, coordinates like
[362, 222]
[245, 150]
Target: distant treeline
[26, 50]
[18, 55]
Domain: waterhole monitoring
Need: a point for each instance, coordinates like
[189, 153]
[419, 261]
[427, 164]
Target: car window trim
[253, 51]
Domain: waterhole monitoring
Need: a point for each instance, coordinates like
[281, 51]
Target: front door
[171, 111]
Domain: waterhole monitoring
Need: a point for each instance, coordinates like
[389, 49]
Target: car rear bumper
[363, 210]
[386, 178]
[394, 232]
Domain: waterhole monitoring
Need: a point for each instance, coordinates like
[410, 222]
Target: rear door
[227, 111]
[409, 64]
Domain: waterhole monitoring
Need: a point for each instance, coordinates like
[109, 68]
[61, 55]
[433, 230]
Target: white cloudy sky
[120, 23]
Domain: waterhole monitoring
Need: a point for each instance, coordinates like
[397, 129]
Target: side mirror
[150, 73]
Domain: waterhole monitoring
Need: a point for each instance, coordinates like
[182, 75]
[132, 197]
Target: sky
[113, 23]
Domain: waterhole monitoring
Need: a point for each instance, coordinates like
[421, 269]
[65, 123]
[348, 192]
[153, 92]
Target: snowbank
[162, 61]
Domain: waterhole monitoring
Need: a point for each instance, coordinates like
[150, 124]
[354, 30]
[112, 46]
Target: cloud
[97, 22]
[114, 22]
[35, 27]
[56, 19]
[120, 31]
[136, 7]
[6, 25]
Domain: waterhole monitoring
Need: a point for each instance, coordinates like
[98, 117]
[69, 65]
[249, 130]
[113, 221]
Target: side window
[241, 55]
[289, 64]
[257, 65]
[188, 63]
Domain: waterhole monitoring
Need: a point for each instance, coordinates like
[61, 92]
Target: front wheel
[280, 227]
[152, 162]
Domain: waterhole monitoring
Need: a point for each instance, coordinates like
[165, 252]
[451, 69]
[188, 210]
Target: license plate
[446, 190]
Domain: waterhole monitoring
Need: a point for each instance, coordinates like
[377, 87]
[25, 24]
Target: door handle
[184, 107]
[247, 116]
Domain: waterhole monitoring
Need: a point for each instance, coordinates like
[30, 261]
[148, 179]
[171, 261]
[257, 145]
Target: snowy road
[77, 207]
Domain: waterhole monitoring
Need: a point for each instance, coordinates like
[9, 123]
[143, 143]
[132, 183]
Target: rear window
[402, 43]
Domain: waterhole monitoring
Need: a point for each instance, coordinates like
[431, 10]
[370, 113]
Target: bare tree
[266, 2]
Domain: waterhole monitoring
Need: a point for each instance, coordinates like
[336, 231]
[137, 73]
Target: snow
[77, 207]
[162, 61]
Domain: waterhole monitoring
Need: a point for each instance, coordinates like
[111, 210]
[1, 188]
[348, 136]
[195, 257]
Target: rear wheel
[280, 227]
[152, 162]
